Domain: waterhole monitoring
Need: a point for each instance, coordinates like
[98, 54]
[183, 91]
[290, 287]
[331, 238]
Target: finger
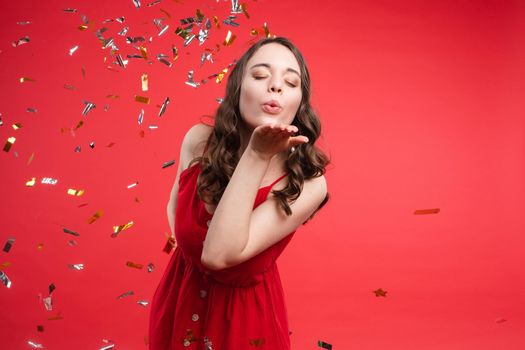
[297, 140]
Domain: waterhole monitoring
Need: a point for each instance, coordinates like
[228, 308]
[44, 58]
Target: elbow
[214, 263]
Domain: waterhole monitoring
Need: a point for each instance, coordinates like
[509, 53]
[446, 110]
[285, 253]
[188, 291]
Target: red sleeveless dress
[238, 308]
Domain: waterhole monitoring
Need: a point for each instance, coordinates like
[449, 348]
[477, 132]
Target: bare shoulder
[194, 142]
[315, 189]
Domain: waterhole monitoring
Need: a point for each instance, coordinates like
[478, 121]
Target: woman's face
[271, 87]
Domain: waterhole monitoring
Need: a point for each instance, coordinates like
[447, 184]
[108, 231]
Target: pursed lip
[272, 103]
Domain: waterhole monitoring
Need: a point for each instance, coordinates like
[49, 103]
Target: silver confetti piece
[121, 62]
[72, 50]
[153, 3]
[207, 25]
[164, 105]
[124, 31]
[23, 23]
[203, 35]
[188, 41]
[71, 232]
[143, 303]
[153, 127]
[163, 30]
[168, 163]
[141, 116]
[133, 185]
[219, 100]
[235, 7]
[89, 106]
[49, 181]
[69, 87]
[70, 10]
[206, 56]
[231, 21]
[21, 41]
[108, 42]
[5, 280]
[78, 149]
[190, 81]
[106, 108]
[107, 347]
[151, 267]
[9, 244]
[76, 266]
[127, 294]
[120, 19]
[48, 303]
[31, 110]
[166, 62]
[134, 56]
[92, 145]
[72, 243]
[136, 3]
[35, 345]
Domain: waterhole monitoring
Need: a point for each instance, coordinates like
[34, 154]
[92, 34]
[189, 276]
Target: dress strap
[276, 181]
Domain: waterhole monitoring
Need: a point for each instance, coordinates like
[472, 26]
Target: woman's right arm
[191, 147]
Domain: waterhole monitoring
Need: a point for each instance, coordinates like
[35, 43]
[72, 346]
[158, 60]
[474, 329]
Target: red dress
[238, 308]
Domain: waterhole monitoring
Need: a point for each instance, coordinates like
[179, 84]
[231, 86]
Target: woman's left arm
[237, 232]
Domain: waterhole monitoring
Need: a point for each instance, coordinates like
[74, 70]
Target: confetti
[144, 80]
[143, 303]
[134, 265]
[164, 105]
[49, 181]
[230, 37]
[127, 294]
[235, 7]
[26, 79]
[95, 217]
[220, 76]
[72, 243]
[190, 81]
[427, 211]
[88, 107]
[500, 320]
[156, 2]
[208, 343]
[163, 60]
[107, 347]
[40, 246]
[203, 35]
[153, 127]
[243, 8]
[118, 229]
[380, 293]
[71, 10]
[69, 87]
[141, 116]
[21, 41]
[121, 62]
[39, 328]
[16, 126]
[23, 23]
[5, 280]
[74, 192]
[35, 345]
[52, 288]
[123, 32]
[76, 266]
[56, 317]
[31, 182]
[31, 110]
[73, 50]
[8, 244]
[10, 141]
[7, 264]
[151, 267]
[160, 26]
[142, 99]
[257, 342]
[324, 345]
[48, 303]
[136, 3]
[231, 21]
[133, 184]
[175, 52]
[168, 163]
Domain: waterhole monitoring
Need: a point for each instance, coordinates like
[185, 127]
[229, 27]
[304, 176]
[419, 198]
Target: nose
[275, 86]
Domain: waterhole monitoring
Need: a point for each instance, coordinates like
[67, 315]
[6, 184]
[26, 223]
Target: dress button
[195, 317]
[187, 342]
[203, 293]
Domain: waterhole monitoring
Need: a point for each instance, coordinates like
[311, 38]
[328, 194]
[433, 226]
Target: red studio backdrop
[421, 245]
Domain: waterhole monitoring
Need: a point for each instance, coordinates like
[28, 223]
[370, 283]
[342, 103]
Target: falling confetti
[95, 217]
[21, 41]
[324, 345]
[134, 265]
[49, 181]
[143, 303]
[26, 79]
[168, 163]
[144, 80]
[127, 294]
[74, 192]
[35, 345]
[31, 182]
[118, 229]
[5, 280]
[190, 81]
[88, 107]
[164, 105]
[142, 99]
[230, 37]
[73, 50]
[426, 211]
[380, 293]
[9, 244]
[10, 141]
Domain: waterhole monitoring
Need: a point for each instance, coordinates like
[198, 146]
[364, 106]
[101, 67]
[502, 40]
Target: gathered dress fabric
[238, 308]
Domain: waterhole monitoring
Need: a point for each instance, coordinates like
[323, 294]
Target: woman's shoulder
[194, 142]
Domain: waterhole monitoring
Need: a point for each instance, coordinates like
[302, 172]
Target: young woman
[242, 189]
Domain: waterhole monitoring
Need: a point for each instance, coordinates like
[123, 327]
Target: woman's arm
[237, 232]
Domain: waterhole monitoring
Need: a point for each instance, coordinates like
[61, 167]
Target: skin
[237, 232]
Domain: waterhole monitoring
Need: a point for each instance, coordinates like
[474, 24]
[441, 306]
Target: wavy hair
[221, 154]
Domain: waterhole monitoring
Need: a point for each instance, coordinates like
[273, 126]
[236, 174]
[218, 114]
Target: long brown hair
[222, 150]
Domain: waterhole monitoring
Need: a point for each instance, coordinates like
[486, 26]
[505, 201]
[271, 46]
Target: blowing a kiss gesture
[270, 139]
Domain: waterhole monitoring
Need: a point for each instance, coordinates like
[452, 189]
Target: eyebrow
[268, 66]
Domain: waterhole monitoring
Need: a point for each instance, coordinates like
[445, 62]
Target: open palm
[270, 139]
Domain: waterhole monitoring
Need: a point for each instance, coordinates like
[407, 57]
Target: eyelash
[259, 78]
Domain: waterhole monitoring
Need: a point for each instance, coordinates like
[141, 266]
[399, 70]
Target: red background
[422, 107]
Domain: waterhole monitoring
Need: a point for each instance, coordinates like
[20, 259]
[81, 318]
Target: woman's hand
[270, 139]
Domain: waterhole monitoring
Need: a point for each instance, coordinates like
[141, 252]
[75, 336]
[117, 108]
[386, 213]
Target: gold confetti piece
[7, 264]
[31, 182]
[380, 292]
[134, 265]
[95, 217]
[80, 123]
[143, 303]
[31, 157]
[142, 99]
[26, 79]
[254, 32]
[118, 229]
[77, 267]
[216, 21]
[74, 192]
[10, 141]
[112, 96]
[166, 12]
[82, 27]
[426, 211]
[230, 37]
[144, 82]
[220, 76]
[143, 52]
[243, 9]
[175, 52]
[56, 317]
[40, 246]
[266, 30]
[16, 126]
[73, 50]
